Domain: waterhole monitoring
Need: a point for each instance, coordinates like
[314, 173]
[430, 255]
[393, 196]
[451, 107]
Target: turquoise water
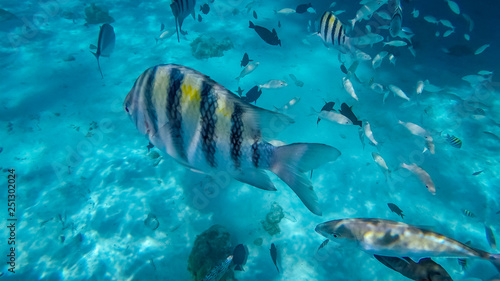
[86, 183]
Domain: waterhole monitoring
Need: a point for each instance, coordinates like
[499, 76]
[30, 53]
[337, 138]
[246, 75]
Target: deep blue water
[85, 182]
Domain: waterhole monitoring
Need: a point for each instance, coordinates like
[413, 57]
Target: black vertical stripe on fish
[333, 31]
[327, 25]
[208, 104]
[148, 98]
[174, 114]
[341, 29]
[236, 137]
[255, 154]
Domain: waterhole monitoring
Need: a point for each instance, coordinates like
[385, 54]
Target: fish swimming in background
[477, 173]
[420, 87]
[274, 255]
[245, 60]
[208, 129]
[239, 91]
[335, 117]
[422, 175]
[347, 112]
[216, 273]
[297, 82]
[274, 84]
[331, 30]
[397, 239]
[349, 87]
[254, 14]
[490, 237]
[327, 107]
[105, 43]
[397, 20]
[381, 163]
[205, 9]
[366, 12]
[270, 37]
[240, 255]
[398, 92]
[468, 213]
[323, 244]
[395, 209]
[425, 270]
[288, 105]
[302, 8]
[252, 95]
[453, 7]
[453, 141]
[199, 18]
[181, 9]
[247, 70]
[377, 61]
[368, 132]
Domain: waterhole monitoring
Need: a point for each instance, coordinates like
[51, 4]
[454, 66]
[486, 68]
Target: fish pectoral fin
[257, 178]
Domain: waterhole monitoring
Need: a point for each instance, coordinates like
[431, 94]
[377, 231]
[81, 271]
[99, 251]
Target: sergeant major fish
[397, 239]
[331, 30]
[208, 129]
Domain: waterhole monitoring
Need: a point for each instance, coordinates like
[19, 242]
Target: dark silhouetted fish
[162, 27]
[150, 145]
[245, 60]
[105, 44]
[270, 37]
[240, 255]
[343, 68]
[274, 255]
[327, 107]
[205, 8]
[347, 112]
[181, 9]
[199, 18]
[302, 8]
[252, 95]
[279, 23]
[395, 209]
[239, 91]
[323, 244]
[490, 237]
[426, 269]
[254, 15]
[477, 173]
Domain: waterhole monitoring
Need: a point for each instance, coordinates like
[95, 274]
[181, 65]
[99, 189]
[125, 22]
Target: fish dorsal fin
[274, 31]
[268, 123]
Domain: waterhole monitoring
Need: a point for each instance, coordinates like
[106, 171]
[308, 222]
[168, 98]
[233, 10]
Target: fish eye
[336, 235]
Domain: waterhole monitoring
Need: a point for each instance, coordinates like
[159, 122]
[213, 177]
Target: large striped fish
[207, 128]
[181, 9]
[397, 239]
[332, 31]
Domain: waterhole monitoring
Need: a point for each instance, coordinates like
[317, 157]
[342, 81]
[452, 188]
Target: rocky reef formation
[273, 218]
[95, 14]
[205, 47]
[210, 248]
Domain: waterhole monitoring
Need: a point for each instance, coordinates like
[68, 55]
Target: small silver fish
[274, 84]
[247, 70]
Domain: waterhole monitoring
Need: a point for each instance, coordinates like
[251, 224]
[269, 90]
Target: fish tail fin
[98, 64]
[251, 25]
[177, 30]
[494, 259]
[289, 162]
